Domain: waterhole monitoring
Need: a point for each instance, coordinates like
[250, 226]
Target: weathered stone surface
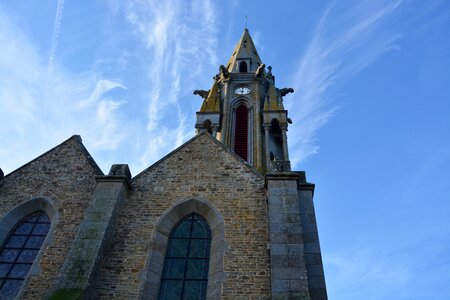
[65, 176]
[200, 169]
[288, 269]
[120, 170]
[94, 236]
[313, 258]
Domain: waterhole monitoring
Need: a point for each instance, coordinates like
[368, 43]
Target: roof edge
[235, 155]
[154, 165]
[79, 141]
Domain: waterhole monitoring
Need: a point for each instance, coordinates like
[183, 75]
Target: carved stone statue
[223, 71]
[285, 91]
[260, 70]
[201, 93]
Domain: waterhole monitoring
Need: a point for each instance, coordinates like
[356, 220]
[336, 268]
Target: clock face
[242, 91]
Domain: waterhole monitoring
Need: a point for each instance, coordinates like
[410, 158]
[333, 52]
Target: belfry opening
[241, 132]
[243, 67]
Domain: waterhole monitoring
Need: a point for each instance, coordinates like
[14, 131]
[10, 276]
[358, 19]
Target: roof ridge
[189, 142]
[78, 140]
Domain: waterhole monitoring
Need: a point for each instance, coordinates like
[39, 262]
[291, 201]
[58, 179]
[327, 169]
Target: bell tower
[244, 110]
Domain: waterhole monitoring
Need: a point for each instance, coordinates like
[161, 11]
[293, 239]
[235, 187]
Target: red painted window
[241, 132]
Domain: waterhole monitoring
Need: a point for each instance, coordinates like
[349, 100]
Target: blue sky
[371, 110]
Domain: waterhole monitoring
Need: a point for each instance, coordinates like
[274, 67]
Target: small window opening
[207, 125]
[276, 140]
[243, 67]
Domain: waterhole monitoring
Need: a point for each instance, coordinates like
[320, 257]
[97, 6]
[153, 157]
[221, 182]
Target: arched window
[242, 67]
[276, 140]
[207, 126]
[185, 273]
[241, 132]
[19, 251]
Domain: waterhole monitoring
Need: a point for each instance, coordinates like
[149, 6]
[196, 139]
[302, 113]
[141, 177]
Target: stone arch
[151, 275]
[242, 100]
[16, 214]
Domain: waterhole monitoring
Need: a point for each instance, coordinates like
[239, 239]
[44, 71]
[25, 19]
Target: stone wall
[64, 176]
[289, 274]
[312, 254]
[199, 169]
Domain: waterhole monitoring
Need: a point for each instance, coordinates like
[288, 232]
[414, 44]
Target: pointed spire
[244, 51]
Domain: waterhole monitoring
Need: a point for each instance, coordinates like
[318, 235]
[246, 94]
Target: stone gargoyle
[285, 91]
[201, 93]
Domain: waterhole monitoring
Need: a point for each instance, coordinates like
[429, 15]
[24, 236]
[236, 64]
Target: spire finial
[245, 21]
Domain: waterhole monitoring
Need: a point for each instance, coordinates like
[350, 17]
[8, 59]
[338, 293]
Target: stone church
[223, 216]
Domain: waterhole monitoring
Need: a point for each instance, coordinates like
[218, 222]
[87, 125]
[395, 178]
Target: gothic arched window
[185, 273]
[243, 67]
[241, 132]
[276, 139]
[19, 251]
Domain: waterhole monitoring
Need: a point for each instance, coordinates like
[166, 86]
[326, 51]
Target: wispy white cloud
[181, 39]
[41, 109]
[102, 86]
[348, 37]
[56, 30]
[396, 263]
[45, 104]
[358, 274]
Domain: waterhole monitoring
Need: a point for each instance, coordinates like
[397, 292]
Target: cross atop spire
[244, 51]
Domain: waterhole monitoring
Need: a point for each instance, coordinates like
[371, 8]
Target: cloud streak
[358, 275]
[45, 104]
[42, 109]
[55, 35]
[180, 39]
[348, 37]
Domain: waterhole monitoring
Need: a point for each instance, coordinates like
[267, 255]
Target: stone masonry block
[289, 273]
[280, 285]
[286, 238]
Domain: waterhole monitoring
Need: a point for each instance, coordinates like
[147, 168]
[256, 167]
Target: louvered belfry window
[241, 132]
[185, 272]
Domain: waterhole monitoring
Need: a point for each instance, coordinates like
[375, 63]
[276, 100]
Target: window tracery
[19, 251]
[185, 273]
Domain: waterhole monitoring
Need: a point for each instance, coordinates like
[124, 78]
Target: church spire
[244, 57]
[244, 110]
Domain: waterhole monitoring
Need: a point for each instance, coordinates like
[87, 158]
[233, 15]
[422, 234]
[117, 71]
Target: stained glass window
[19, 251]
[185, 273]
